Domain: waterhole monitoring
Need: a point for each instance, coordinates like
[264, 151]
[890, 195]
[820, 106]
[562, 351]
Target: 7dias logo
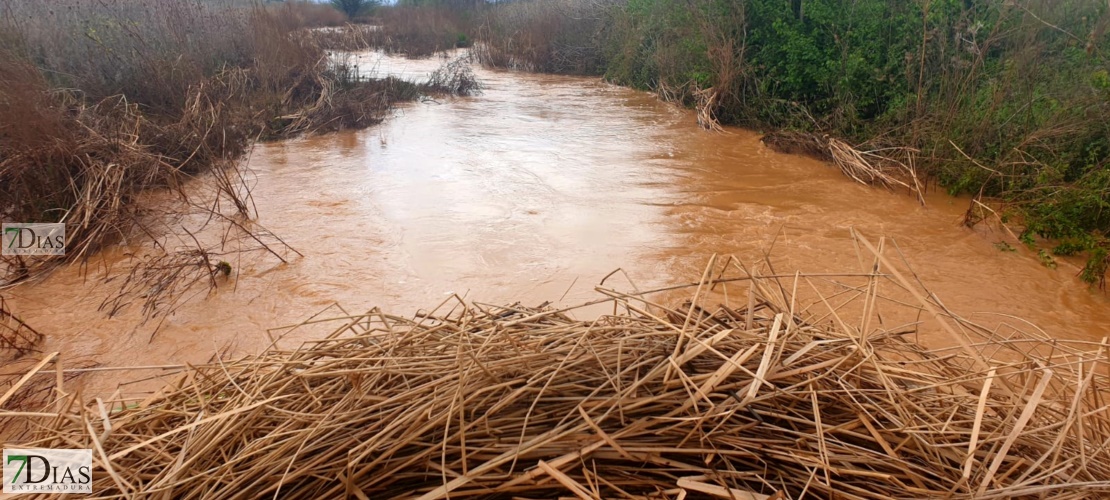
[47, 471]
[34, 239]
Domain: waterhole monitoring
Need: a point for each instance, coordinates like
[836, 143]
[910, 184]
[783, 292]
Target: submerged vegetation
[1005, 100]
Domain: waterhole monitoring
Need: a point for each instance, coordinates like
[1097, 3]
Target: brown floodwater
[533, 191]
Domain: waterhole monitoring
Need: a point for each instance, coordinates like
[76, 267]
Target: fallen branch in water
[166, 279]
[871, 167]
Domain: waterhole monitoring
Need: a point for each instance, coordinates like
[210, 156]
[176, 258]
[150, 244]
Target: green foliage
[1046, 259]
[1027, 239]
[1095, 270]
[1071, 246]
[841, 62]
[1055, 209]
[352, 8]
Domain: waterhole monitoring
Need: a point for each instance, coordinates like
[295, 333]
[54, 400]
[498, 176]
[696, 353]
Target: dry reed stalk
[17, 338]
[707, 103]
[777, 397]
[872, 167]
[856, 165]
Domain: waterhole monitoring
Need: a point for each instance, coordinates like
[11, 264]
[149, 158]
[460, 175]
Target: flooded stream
[533, 191]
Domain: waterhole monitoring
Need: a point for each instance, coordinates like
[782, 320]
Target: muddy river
[531, 192]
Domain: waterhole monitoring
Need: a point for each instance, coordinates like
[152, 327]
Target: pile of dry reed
[768, 399]
[887, 167]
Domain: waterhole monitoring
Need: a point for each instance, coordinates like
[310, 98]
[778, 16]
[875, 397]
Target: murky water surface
[534, 191]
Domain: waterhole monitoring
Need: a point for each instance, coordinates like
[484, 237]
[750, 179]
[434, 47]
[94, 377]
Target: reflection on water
[533, 191]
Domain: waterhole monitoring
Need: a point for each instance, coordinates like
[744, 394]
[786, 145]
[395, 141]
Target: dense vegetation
[103, 100]
[1004, 99]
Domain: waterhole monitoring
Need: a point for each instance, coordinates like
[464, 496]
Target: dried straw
[879, 167]
[770, 398]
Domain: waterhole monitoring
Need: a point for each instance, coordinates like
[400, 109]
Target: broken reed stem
[17, 338]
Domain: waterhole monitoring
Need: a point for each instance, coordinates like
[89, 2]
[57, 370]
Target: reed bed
[779, 397]
[556, 36]
[414, 32]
